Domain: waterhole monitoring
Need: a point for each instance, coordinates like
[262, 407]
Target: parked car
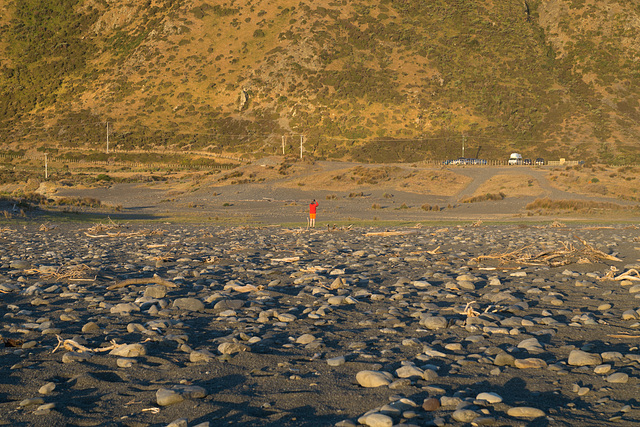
[458, 161]
[465, 161]
[515, 159]
[477, 161]
[539, 161]
[526, 162]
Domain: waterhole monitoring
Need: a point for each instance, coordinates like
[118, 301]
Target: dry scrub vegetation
[484, 198]
[546, 206]
[408, 179]
[510, 186]
[621, 182]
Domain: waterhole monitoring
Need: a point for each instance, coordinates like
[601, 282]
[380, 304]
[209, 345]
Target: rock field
[188, 325]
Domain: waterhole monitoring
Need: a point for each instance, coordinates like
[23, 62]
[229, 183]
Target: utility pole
[463, 141]
[301, 148]
[107, 137]
[46, 167]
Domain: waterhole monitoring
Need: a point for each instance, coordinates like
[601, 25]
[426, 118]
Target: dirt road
[276, 201]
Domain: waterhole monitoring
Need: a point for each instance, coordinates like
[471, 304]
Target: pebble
[129, 350]
[525, 412]
[72, 357]
[31, 402]
[376, 420]
[180, 422]
[530, 363]
[47, 388]
[305, 339]
[434, 322]
[201, 356]
[618, 378]
[336, 361]
[188, 304]
[90, 327]
[374, 378]
[431, 404]
[294, 307]
[126, 362]
[490, 397]
[464, 415]
[583, 358]
[232, 348]
[504, 359]
[165, 397]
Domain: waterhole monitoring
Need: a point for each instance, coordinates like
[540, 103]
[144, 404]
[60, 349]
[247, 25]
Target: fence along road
[125, 163]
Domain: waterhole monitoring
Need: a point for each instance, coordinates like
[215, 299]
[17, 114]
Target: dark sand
[271, 291]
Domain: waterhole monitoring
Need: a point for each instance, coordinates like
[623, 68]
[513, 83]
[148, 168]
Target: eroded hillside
[367, 80]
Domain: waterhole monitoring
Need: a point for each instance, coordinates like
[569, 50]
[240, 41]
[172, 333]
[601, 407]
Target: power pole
[301, 148]
[463, 141]
[46, 167]
[107, 137]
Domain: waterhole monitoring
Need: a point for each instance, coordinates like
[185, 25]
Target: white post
[46, 167]
[107, 137]
[283, 139]
[463, 138]
[301, 140]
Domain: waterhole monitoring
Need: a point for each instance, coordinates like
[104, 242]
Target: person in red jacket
[312, 213]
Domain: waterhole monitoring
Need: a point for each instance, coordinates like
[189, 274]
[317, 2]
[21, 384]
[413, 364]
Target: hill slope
[386, 80]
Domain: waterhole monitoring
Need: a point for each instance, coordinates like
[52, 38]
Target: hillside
[386, 80]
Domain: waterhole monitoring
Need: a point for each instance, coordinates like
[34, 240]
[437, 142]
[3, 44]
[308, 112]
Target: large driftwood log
[143, 281]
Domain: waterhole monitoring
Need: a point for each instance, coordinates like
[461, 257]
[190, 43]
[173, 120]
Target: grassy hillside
[387, 80]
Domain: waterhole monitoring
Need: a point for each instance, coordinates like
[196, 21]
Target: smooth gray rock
[618, 378]
[376, 420]
[129, 350]
[166, 397]
[73, 356]
[464, 415]
[525, 412]
[374, 378]
[188, 304]
[433, 322]
[582, 358]
[155, 291]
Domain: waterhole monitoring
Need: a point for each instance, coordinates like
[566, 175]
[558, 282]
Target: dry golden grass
[484, 198]
[620, 182]
[407, 179]
[574, 205]
[511, 186]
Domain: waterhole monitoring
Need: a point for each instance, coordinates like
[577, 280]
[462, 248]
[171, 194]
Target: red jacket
[312, 207]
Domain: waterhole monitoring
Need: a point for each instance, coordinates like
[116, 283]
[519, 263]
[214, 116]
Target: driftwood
[469, 311]
[554, 258]
[79, 272]
[431, 252]
[105, 230]
[47, 227]
[72, 345]
[142, 281]
[74, 272]
[243, 288]
[623, 336]
[390, 233]
[631, 275]
[286, 259]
